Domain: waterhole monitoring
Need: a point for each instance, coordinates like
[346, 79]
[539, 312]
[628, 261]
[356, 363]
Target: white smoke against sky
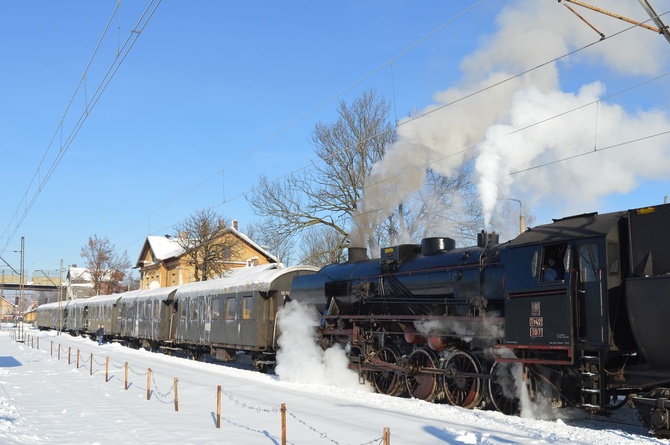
[490, 126]
[300, 359]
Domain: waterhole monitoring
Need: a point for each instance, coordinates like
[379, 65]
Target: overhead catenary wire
[462, 98]
[487, 88]
[27, 202]
[94, 101]
[302, 118]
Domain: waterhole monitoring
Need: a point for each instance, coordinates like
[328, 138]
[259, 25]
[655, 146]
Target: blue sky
[213, 94]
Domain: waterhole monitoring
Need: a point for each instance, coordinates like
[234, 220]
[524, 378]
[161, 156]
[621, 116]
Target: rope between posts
[163, 397]
[157, 392]
[249, 407]
[141, 374]
[324, 435]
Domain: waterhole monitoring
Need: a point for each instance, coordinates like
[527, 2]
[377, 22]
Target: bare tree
[106, 267]
[266, 236]
[326, 194]
[317, 246]
[446, 206]
[208, 248]
[318, 202]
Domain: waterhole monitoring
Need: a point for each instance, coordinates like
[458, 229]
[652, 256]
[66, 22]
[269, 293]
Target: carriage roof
[258, 278]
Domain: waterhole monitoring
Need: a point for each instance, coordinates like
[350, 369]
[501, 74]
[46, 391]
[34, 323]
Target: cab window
[555, 259]
[588, 263]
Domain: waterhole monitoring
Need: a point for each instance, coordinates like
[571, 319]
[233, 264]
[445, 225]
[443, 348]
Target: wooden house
[163, 263]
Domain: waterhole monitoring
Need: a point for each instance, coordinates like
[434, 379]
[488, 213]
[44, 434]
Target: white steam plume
[301, 360]
[463, 126]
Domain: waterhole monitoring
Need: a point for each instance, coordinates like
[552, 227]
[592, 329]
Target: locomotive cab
[565, 291]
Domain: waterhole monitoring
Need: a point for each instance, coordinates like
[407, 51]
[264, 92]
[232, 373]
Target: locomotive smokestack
[485, 239]
[357, 254]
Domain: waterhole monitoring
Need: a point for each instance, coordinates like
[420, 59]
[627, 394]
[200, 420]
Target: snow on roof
[149, 294]
[259, 278]
[253, 244]
[78, 273]
[164, 247]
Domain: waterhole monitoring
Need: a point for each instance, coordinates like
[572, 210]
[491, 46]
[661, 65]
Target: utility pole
[661, 28]
[522, 218]
[60, 298]
[21, 279]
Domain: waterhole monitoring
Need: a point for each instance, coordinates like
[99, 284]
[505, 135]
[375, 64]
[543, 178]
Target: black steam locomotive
[578, 309]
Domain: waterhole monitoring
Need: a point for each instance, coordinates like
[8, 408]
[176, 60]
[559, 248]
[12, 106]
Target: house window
[246, 307]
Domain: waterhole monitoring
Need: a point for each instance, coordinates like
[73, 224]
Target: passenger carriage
[52, 316]
[235, 313]
[147, 317]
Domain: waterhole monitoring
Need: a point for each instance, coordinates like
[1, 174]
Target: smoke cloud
[465, 330]
[507, 123]
[301, 360]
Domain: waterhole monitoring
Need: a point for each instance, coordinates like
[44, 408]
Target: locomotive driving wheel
[503, 387]
[420, 384]
[460, 386]
[387, 381]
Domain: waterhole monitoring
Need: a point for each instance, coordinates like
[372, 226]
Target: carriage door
[589, 296]
[247, 319]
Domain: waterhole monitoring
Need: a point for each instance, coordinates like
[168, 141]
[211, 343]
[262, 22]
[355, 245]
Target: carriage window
[246, 307]
[216, 308]
[230, 308]
[157, 307]
[183, 309]
[588, 263]
[194, 309]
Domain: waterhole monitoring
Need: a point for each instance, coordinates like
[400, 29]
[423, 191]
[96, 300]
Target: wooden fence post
[77, 358]
[387, 436]
[176, 396]
[91, 364]
[69, 354]
[218, 406]
[149, 384]
[126, 379]
[58, 351]
[52, 348]
[283, 424]
[38, 342]
[107, 369]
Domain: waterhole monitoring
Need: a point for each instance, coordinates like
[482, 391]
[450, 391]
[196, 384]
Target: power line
[27, 202]
[474, 93]
[303, 117]
[422, 115]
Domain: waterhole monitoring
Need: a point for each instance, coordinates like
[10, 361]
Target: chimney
[235, 224]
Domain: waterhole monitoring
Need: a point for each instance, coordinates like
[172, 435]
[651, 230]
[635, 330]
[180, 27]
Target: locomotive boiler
[574, 311]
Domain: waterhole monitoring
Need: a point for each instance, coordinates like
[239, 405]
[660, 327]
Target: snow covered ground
[44, 400]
